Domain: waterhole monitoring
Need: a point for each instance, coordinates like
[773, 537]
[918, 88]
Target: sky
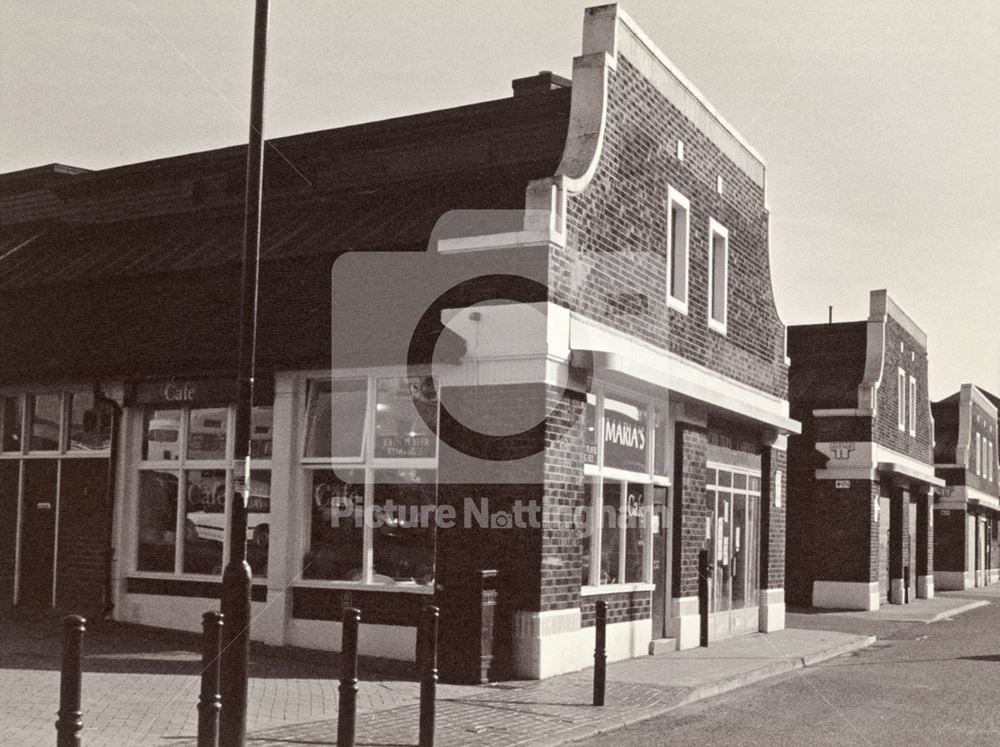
[878, 120]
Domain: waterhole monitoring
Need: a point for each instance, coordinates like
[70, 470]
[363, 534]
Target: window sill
[677, 305]
[360, 586]
[717, 326]
[201, 577]
[593, 591]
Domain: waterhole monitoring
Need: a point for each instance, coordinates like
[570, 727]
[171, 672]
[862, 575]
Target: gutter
[109, 550]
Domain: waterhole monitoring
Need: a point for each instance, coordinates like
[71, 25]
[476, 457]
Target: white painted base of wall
[994, 575]
[184, 613]
[381, 641]
[952, 580]
[772, 610]
[553, 642]
[925, 587]
[897, 594]
[685, 622]
[845, 595]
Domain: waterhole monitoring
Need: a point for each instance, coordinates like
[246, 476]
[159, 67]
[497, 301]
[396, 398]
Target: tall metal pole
[236, 577]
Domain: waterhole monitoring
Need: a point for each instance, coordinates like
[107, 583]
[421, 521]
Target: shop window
[45, 418]
[678, 242]
[373, 516]
[89, 423]
[11, 424]
[342, 402]
[613, 522]
[718, 275]
[184, 479]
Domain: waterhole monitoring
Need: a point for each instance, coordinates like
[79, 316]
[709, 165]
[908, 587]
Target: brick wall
[912, 359]
[9, 470]
[985, 425]
[618, 232]
[773, 519]
[691, 508]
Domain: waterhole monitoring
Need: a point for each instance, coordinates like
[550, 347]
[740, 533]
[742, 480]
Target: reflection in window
[44, 426]
[403, 526]
[635, 532]
[259, 521]
[204, 521]
[610, 533]
[335, 418]
[161, 440]
[89, 424]
[207, 433]
[404, 408]
[337, 530]
[261, 434]
[584, 529]
[11, 424]
[157, 521]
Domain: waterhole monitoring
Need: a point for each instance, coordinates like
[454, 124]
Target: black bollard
[906, 584]
[70, 721]
[600, 652]
[704, 571]
[210, 701]
[428, 674]
[347, 715]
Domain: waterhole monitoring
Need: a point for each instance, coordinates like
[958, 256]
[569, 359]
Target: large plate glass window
[372, 515]
[185, 477]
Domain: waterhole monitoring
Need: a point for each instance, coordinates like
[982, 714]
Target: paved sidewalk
[140, 688]
[557, 710]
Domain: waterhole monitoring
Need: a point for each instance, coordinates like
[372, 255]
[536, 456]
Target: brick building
[861, 479]
[553, 322]
[966, 543]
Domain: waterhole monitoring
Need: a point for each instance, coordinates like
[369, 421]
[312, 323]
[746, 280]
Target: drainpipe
[109, 550]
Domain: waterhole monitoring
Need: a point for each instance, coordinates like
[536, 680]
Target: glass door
[735, 500]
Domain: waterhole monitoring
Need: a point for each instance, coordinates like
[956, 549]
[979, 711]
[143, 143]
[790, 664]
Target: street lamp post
[236, 578]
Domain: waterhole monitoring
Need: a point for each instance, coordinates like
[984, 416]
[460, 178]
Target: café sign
[624, 441]
[181, 392]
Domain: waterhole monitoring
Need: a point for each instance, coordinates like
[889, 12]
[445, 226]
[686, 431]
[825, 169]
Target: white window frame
[368, 464]
[181, 467]
[597, 474]
[675, 198]
[901, 399]
[913, 406]
[716, 229]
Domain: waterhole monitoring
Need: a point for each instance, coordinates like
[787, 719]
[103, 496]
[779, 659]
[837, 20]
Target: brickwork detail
[691, 509]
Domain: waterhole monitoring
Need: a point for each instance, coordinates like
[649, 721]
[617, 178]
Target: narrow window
[679, 219]
[718, 275]
[979, 454]
[913, 406]
[901, 399]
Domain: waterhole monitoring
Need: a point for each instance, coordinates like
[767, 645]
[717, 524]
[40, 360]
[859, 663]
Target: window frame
[901, 399]
[368, 464]
[912, 406]
[598, 476]
[675, 198]
[717, 230]
[181, 467]
[25, 397]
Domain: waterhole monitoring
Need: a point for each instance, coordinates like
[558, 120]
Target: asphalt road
[920, 684]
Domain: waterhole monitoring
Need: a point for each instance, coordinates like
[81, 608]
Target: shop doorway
[662, 532]
[39, 504]
[911, 560]
[735, 498]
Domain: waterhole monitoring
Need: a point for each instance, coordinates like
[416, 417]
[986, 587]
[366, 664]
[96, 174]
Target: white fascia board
[860, 460]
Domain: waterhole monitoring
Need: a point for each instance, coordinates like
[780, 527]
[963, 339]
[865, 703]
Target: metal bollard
[347, 715]
[428, 674]
[70, 721]
[906, 584]
[600, 652]
[210, 701]
[704, 572]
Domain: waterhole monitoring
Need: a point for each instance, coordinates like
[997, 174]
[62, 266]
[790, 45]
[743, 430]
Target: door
[883, 550]
[736, 558]
[38, 512]
[661, 561]
[981, 555]
[10, 471]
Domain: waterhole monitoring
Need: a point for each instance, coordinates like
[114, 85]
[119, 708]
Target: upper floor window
[718, 275]
[979, 455]
[913, 406]
[678, 242]
[901, 399]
